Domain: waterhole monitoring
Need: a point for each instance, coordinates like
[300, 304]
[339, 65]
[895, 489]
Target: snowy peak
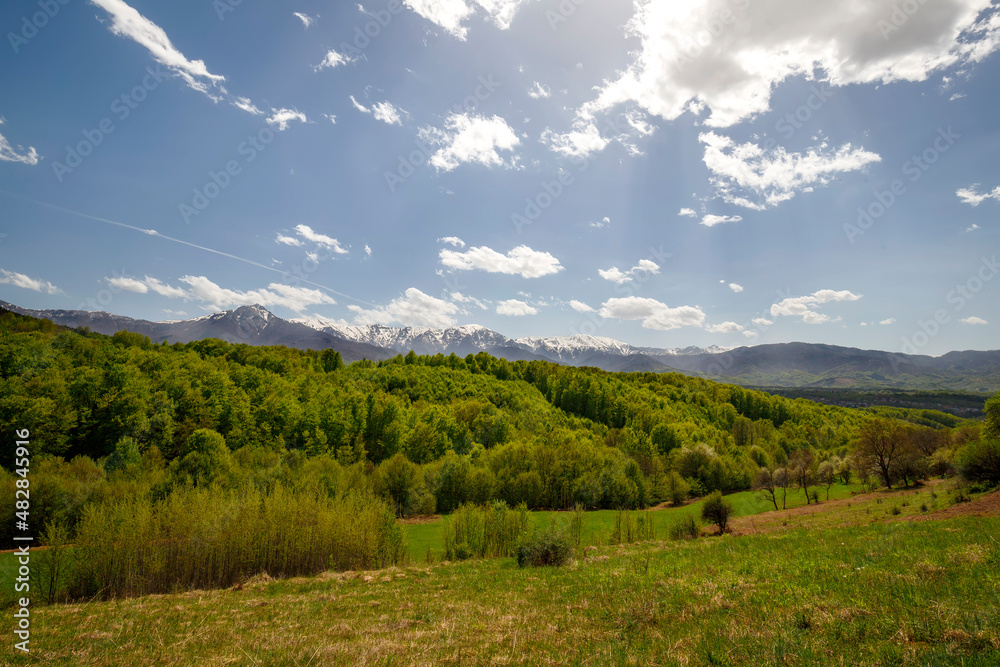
[573, 344]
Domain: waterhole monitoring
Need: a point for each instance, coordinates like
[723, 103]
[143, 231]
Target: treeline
[119, 417]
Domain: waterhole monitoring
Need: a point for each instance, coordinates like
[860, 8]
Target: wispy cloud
[26, 282]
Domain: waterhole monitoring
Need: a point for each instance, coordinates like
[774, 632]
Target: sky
[667, 173]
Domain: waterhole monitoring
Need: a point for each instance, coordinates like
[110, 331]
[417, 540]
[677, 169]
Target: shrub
[717, 510]
[980, 462]
[492, 531]
[632, 527]
[549, 547]
[687, 528]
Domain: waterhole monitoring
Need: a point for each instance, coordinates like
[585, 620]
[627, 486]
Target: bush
[550, 547]
[980, 462]
[686, 528]
[717, 510]
[484, 532]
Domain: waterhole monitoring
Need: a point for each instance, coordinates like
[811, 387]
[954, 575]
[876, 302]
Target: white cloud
[469, 138]
[413, 309]
[888, 321]
[515, 308]
[330, 117]
[580, 307]
[127, 22]
[9, 154]
[616, 275]
[973, 320]
[247, 105]
[333, 60]
[736, 287]
[305, 18]
[583, 140]
[359, 106]
[806, 306]
[539, 92]
[973, 197]
[728, 57]
[385, 112]
[758, 178]
[725, 327]
[308, 234]
[688, 213]
[207, 292]
[21, 280]
[368, 250]
[451, 14]
[522, 261]
[280, 118]
[750, 334]
[452, 240]
[601, 224]
[652, 313]
[713, 220]
[287, 240]
[971, 228]
[762, 321]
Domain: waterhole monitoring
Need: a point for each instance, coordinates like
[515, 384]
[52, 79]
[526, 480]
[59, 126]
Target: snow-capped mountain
[462, 340]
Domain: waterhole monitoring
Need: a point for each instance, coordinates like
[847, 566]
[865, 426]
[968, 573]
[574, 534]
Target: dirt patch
[988, 505]
[430, 518]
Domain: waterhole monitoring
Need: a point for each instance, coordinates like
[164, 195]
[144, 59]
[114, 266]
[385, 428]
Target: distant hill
[783, 365]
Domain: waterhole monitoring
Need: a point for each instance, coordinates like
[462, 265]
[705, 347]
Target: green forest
[122, 428]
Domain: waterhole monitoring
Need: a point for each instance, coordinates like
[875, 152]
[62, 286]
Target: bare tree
[880, 445]
[764, 482]
[826, 474]
[801, 470]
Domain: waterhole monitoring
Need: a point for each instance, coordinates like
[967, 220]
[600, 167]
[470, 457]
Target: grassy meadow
[831, 585]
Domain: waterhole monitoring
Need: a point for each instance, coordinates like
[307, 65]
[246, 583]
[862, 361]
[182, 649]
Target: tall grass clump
[210, 538]
[490, 531]
[576, 526]
[687, 528]
[632, 527]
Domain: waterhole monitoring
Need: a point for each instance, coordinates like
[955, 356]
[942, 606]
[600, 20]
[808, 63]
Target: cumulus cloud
[467, 138]
[539, 92]
[762, 321]
[280, 118]
[387, 113]
[9, 154]
[515, 308]
[453, 241]
[413, 309]
[522, 261]
[687, 213]
[652, 313]
[616, 275]
[332, 244]
[973, 320]
[973, 197]
[580, 307]
[129, 23]
[806, 307]
[758, 178]
[736, 287]
[711, 220]
[729, 57]
[725, 327]
[451, 14]
[332, 60]
[26, 282]
[203, 290]
[582, 141]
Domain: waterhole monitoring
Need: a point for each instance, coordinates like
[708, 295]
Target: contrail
[153, 232]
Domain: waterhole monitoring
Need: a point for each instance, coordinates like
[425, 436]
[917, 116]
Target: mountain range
[773, 365]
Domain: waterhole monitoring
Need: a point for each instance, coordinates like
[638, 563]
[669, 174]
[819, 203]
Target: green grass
[597, 525]
[899, 593]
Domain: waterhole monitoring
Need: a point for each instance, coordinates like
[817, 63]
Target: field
[861, 586]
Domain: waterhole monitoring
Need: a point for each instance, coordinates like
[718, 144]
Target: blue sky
[708, 172]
